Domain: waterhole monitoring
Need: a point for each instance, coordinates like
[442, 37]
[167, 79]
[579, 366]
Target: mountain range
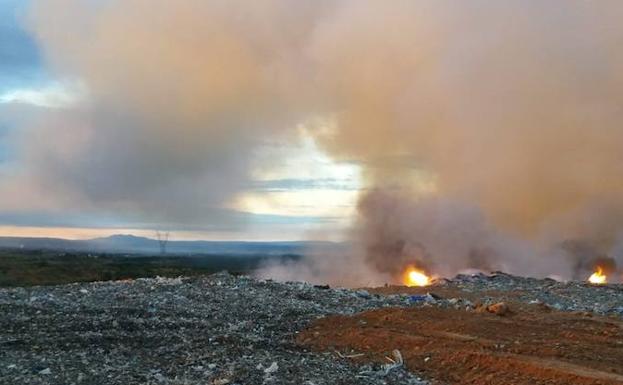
[122, 243]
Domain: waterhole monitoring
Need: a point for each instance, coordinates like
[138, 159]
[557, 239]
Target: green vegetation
[37, 267]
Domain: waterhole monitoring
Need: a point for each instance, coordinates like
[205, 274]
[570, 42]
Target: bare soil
[532, 345]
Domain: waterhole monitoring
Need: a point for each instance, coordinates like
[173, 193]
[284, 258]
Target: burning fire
[598, 277]
[415, 277]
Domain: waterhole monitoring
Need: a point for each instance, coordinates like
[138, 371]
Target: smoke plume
[489, 132]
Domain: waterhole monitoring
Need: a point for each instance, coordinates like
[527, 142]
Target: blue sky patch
[21, 63]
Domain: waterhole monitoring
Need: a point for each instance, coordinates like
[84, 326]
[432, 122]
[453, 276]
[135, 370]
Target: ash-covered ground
[223, 329]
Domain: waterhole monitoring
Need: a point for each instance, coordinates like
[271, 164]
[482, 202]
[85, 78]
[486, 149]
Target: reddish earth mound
[531, 345]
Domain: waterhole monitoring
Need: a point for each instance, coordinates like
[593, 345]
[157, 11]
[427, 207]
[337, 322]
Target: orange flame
[598, 277]
[415, 277]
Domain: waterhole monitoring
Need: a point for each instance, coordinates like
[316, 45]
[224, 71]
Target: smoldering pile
[570, 296]
[394, 232]
[444, 238]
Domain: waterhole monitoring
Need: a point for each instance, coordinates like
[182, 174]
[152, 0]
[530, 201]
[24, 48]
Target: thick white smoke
[511, 108]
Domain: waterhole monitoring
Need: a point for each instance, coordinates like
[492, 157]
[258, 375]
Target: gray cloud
[176, 104]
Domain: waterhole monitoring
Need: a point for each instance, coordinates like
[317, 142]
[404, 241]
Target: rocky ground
[222, 329]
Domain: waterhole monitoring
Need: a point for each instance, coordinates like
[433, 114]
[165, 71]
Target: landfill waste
[218, 329]
[226, 329]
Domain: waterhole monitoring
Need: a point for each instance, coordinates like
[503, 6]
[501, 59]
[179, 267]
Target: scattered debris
[499, 308]
[349, 355]
[322, 287]
[272, 368]
[45, 371]
[396, 362]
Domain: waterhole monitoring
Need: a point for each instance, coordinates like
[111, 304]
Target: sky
[294, 191]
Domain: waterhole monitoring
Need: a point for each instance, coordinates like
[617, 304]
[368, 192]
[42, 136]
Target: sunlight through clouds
[56, 95]
[306, 182]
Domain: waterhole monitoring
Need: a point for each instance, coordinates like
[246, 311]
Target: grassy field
[40, 267]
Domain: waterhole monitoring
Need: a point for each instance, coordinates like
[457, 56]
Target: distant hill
[140, 245]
